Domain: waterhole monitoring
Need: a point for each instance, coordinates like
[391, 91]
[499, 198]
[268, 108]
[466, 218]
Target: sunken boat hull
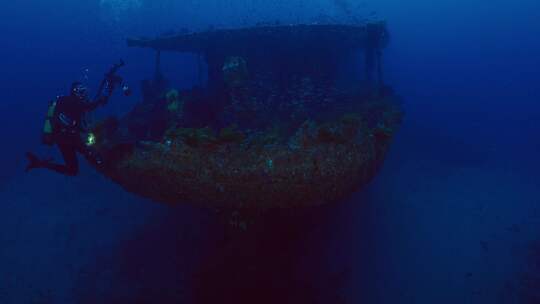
[273, 140]
[230, 176]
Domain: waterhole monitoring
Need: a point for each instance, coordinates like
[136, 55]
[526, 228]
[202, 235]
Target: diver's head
[79, 90]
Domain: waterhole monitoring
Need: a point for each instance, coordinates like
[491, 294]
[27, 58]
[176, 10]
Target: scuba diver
[65, 126]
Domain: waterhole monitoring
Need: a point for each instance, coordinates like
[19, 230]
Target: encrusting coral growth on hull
[230, 169]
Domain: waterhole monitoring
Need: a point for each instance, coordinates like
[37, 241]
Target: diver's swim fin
[33, 162]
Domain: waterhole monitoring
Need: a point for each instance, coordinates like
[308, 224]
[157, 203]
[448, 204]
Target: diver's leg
[69, 153]
[34, 161]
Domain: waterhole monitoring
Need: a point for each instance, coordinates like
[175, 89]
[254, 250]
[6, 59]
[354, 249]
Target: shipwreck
[286, 116]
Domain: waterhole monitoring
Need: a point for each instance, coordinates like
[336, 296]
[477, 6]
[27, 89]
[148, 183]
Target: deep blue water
[451, 218]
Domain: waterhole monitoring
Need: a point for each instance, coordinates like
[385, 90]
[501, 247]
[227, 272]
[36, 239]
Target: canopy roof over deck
[282, 50]
[294, 36]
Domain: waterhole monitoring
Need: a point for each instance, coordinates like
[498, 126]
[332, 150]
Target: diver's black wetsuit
[68, 125]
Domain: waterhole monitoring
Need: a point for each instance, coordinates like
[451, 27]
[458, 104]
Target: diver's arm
[100, 100]
[90, 106]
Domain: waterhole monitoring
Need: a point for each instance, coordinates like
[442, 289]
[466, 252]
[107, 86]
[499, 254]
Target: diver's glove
[103, 99]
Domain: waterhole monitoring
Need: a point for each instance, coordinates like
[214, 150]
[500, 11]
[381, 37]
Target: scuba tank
[47, 135]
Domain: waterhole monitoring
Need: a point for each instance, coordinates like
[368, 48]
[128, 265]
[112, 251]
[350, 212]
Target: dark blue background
[449, 219]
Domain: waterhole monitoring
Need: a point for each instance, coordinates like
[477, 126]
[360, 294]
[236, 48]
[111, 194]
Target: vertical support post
[380, 81]
[215, 60]
[374, 72]
[158, 76]
[200, 68]
[371, 53]
[159, 83]
[369, 64]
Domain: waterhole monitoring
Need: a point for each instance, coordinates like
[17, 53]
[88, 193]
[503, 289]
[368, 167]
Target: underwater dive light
[91, 139]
